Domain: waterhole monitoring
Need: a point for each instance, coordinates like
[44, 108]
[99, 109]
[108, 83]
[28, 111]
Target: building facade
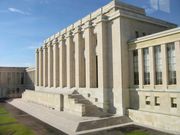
[96, 60]
[13, 81]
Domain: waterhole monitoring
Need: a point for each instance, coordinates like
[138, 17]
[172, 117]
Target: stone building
[154, 63]
[13, 81]
[100, 59]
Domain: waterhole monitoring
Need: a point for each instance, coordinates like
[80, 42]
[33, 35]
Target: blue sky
[25, 24]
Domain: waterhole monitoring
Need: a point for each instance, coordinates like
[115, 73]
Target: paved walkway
[66, 122]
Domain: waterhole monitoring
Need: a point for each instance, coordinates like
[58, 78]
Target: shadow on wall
[134, 100]
[29, 83]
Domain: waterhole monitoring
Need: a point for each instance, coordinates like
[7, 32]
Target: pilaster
[164, 65]
[40, 66]
[62, 66]
[152, 67]
[55, 63]
[50, 65]
[141, 69]
[45, 66]
[177, 55]
[101, 51]
[79, 58]
[90, 55]
[70, 60]
[37, 67]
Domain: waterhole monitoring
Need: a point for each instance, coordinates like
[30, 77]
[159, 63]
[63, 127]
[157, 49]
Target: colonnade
[76, 58]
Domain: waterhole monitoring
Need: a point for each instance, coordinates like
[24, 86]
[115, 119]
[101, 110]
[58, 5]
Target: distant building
[14, 80]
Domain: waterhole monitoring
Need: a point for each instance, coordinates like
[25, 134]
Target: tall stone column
[63, 70]
[37, 67]
[90, 55]
[164, 65]
[56, 63]
[45, 66]
[79, 58]
[50, 65]
[152, 67]
[177, 48]
[101, 50]
[70, 60]
[41, 66]
[140, 68]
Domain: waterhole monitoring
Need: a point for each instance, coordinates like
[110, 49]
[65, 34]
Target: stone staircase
[86, 108]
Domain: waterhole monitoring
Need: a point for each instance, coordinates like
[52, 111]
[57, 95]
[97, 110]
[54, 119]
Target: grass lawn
[5, 119]
[137, 132]
[15, 129]
[2, 110]
[10, 126]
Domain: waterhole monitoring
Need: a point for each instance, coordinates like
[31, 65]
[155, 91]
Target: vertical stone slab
[45, 66]
[177, 48]
[70, 60]
[141, 68]
[63, 70]
[152, 67]
[55, 63]
[50, 65]
[41, 66]
[37, 67]
[79, 58]
[164, 65]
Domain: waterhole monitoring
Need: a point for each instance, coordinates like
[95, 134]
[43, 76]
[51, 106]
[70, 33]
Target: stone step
[104, 122]
[88, 108]
[83, 101]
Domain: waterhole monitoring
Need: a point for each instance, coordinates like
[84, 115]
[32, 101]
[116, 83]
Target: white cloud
[15, 10]
[150, 10]
[154, 4]
[162, 5]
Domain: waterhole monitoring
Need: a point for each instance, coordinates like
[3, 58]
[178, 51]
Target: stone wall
[156, 120]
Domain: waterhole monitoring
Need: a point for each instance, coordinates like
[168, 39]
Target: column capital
[101, 18]
[88, 24]
[40, 49]
[61, 38]
[69, 34]
[45, 46]
[49, 44]
[37, 50]
[55, 43]
[77, 30]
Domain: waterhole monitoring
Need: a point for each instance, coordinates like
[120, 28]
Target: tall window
[8, 78]
[171, 63]
[22, 78]
[146, 66]
[135, 67]
[158, 65]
